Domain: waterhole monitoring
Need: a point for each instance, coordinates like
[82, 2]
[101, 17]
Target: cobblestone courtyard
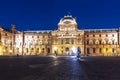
[59, 68]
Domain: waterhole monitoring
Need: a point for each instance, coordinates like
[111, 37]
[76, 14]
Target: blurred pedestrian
[78, 52]
[55, 53]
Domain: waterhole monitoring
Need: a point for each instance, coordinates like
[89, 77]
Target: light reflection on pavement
[42, 68]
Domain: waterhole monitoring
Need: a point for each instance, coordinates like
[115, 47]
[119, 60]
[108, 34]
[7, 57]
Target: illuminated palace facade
[65, 40]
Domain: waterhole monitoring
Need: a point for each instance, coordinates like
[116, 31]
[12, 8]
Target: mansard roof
[101, 30]
[38, 31]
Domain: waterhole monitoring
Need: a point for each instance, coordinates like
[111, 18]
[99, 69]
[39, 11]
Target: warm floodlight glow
[10, 51]
[55, 48]
[74, 50]
[0, 50]
[4, 50]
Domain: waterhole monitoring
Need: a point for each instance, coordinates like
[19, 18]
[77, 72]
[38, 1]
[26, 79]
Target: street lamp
[55, 48]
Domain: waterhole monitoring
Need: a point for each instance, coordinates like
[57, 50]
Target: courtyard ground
[59, 68]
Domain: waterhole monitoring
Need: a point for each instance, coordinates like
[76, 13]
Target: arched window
[48, 50]
[100, 50]
[113, 50]
[100, 41]
[113, 42]
[37, 50]
[93, 50]
[94, 41]
[42, 50]
[87, 42]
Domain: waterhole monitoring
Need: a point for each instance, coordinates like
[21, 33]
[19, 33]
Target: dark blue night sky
[45, 14]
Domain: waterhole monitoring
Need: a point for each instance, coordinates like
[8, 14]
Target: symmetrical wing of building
[65, 40]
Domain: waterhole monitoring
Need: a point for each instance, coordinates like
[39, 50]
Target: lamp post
[55, 50]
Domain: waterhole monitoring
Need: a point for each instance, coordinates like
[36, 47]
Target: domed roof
[67, 19]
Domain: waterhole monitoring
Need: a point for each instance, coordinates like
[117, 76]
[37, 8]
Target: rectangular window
[5, 34]
[113, 42]
[94, 42]
[93, 50]
[100, 42]
[78, 41]
[88, 51]
[106, 41]
[72, 41]
[100, 50]
[43, 36]
[61, 41]
[112, 35]
[100, 35]
[106, 35]
[87, 42]
[113, 50]
[87, 35]
[67, 41]
[106, 49]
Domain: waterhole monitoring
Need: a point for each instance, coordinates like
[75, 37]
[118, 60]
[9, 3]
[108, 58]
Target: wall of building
[101, 42]
[65, 41]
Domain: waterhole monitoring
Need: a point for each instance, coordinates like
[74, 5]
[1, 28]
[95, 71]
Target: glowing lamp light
[55, 48]
[4, 50]
[74, 50]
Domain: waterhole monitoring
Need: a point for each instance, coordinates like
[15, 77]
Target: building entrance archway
[67, 51]
[48, 50]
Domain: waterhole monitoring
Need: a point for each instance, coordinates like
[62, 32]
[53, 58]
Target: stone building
[65, 40]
